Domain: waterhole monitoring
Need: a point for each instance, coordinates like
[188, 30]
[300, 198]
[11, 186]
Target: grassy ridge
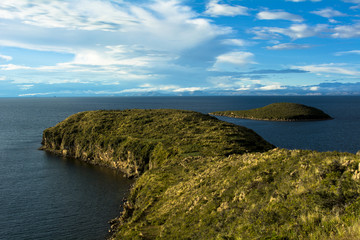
[279, 194]
[278, 112]
[136, 140]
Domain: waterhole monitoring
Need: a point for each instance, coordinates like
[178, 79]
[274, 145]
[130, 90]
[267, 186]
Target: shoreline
[272, 120]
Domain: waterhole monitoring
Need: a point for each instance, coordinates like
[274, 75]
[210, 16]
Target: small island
[201, 178]
[278, 112]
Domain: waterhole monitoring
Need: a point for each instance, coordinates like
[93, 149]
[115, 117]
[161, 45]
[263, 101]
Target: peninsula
[135, 140]
[278, 112]
[201, 178]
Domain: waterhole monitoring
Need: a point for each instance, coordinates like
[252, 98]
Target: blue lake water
[46, 197]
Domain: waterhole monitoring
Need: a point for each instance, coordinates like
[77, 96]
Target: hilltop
[278, 112]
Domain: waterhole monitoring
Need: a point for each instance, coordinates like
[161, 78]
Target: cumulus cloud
[279, 15]
[286, 46]
[215, 9]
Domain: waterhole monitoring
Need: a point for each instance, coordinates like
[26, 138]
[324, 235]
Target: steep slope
[279, 194]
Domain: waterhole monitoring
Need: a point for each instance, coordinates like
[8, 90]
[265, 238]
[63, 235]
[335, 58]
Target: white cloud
[150, 88]
[314, 88]
[232, 61]
[26, 87]
[330, 68]
[236, 42]
[272, 87]
[36, 94]
[295, 31]
[37, 47]
[144, 88]
[6, 58]
[238, 58]
[347, 31]
[190, 89]
[354, 2]
[215, 9]
[279, 15]
[9, 67]
[231, 83]
[138, 40]
[328, 13]
[157, 24]
[82, 14]
[286, 46]
[357, 2]
[357, 52]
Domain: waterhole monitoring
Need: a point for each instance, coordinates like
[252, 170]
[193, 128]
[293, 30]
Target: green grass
[279, 194]
[136, 140]
[278, 112]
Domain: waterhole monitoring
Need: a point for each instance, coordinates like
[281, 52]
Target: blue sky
[174, 47]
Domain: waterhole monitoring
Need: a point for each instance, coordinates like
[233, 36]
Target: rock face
[133, 141]
[279, 112]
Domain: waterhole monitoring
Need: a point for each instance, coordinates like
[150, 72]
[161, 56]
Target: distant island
[278, 112]
[201, 178]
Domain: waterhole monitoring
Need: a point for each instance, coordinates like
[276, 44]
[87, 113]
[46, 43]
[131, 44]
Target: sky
[179, 47]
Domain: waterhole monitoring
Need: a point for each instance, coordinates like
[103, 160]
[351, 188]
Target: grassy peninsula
[201, 178]
[136, 140]
[278, 112]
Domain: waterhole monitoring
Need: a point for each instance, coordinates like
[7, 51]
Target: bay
[46, 197]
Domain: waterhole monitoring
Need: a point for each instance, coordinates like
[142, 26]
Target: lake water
[46, 197]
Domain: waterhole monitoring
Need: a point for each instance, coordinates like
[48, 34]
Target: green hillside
[135, 140]
[279, 194]
[278, 112]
